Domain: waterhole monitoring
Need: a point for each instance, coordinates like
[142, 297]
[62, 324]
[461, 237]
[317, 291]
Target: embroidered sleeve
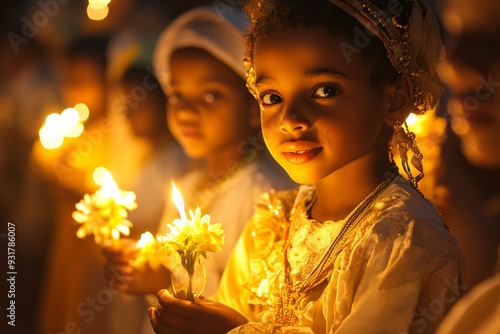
[251, 266]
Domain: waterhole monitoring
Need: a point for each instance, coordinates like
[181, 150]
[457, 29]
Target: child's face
[320, 112]
[208, 110]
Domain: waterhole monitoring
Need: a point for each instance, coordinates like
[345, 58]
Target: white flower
[195, 235]
[103, 216]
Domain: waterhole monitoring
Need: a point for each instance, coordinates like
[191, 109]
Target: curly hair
[271, 15]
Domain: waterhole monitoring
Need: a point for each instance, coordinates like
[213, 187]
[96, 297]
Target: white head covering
[219, 33]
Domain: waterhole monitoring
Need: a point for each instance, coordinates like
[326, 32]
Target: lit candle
[148, 247]
[191, 239]
[109, 189]
[104, 213]
[146, 241]
[179, 202]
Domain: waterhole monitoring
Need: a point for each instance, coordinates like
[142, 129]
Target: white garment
[397, 271]
[232, 206]
[150, 184]
[477, 313]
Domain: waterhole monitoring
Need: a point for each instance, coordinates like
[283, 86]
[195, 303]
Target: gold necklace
[285, 309]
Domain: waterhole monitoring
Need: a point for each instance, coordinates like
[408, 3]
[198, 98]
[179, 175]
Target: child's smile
[299, 152]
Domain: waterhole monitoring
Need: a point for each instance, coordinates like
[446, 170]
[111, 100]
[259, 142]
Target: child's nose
[293, 121]
[185, 108]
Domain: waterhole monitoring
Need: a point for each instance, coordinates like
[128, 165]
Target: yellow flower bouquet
[148, 252]
[191, 238]
[104, 213]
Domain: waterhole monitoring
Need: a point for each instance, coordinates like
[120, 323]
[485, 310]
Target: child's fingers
[178, 307]
[166, 317]
[118, 285]
[127, 248]
[118, 270]
[109, 251]
[159, 327]
[119, 257]
[152, 312]
[117, 279]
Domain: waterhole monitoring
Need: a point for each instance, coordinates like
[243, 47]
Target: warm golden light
[411, 119]
[98, 175]
[104, 214]
[97, 14]
[178, 201]
[70, 126]
[109, 187]
[147, 239]
[53, 120]
[50, 133]
[83, 111]
[74, 131]
[67, 124]
[98, 4]
[70, 116]
[50, 138]
[453, 22]
[460, 126]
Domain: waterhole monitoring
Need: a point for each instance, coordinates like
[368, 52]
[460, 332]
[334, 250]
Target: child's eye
[210, 97]
[269, 99]
[326, 91]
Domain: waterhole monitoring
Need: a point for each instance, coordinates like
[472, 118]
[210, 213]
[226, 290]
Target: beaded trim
[395, 37]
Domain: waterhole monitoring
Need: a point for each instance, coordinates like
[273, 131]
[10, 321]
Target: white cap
[218, 33]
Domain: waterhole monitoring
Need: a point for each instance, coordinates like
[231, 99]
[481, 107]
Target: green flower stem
[188, 261]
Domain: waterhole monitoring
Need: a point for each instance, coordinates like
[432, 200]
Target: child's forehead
[303, 43]
[199, 60]
[308, 52]
[199, 68]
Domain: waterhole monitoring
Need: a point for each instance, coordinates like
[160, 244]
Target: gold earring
[405, 141]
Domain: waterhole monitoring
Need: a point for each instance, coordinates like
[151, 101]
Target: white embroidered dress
[398, 270]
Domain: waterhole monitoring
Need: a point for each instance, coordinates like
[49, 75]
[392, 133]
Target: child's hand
[181, 316]
[122, 273]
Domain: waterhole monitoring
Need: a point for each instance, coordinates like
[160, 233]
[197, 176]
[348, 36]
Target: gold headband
[414, 49]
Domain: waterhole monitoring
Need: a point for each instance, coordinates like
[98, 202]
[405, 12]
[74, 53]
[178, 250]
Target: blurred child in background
[472, 72]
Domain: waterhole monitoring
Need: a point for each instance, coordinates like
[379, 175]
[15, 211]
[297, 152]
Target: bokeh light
[97, 14]
[411, 119]
[98, 175]
[67, 124]
[83, 111]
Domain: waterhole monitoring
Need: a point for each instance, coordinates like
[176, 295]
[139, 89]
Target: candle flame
[147, 239]
[109, 187]
[178, 201]
[98, 175]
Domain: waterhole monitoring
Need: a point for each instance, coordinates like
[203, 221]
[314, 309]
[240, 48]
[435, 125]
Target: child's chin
[301, 178]
[194, 153]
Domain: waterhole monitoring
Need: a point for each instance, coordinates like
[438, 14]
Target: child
[211, 114]
[473, 65]
[357, 248]
[471, 152]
